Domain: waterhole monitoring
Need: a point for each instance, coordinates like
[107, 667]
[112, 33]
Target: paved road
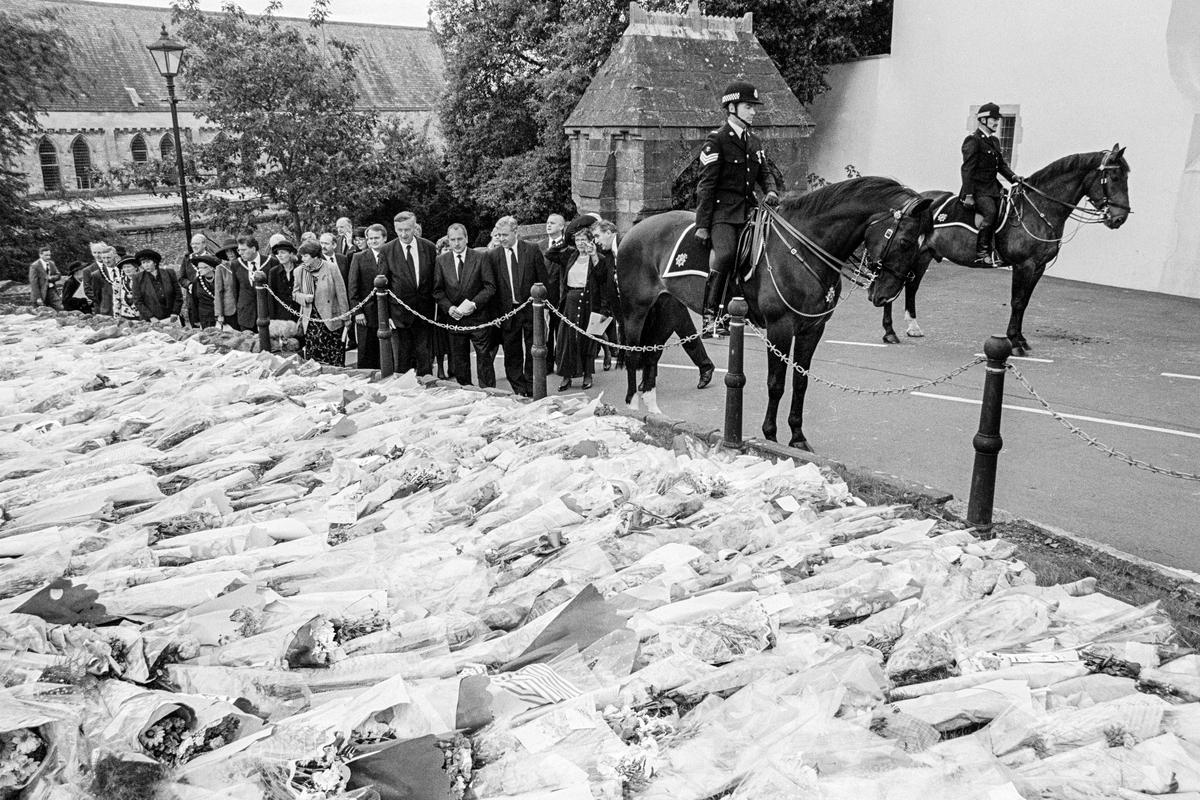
[1104, 353]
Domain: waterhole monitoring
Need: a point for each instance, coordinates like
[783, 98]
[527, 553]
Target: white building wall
[1083, 73]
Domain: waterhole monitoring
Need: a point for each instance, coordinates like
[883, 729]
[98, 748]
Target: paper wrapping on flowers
[301, 580]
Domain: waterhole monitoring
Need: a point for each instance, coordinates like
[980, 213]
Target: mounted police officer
[733, 162]
[983, 159]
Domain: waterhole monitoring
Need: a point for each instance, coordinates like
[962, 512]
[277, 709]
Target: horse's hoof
[800, 444]
[706, 376]
[914, 330]
[1018, 350]
[770, 437]
[891, 338]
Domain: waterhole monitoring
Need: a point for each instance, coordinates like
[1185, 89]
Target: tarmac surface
[1125, 363]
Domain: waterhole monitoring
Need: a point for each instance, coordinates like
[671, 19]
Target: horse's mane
[1073, 163]
[835, 194]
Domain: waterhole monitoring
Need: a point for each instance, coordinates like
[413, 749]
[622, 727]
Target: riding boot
[714, 295]
[983, 249]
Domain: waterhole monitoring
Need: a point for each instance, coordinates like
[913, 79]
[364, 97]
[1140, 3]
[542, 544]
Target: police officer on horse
[733, 162]
[983, 159]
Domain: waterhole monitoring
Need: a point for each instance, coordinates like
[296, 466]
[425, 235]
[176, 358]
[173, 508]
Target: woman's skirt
[575, 354]
[322, 344]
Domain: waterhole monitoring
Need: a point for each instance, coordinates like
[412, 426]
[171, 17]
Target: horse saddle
[953, 212]
[689, 256]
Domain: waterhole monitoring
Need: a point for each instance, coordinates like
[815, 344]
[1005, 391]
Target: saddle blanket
[689, 256]
[953, 212]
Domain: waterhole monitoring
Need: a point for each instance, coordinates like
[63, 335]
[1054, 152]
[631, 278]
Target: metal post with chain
[988, 442]
[264, 310]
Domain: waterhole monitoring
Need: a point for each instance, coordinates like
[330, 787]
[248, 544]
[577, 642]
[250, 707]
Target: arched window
[48, 156]
[82, 157]
[137, 148]
[166, 147]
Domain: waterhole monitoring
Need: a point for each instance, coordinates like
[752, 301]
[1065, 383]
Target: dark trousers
[459, 347]
[516, 337]
[484, 343]
[988, 208]
[368, 346]
[410, 348]
[720, 262]
[551, 341]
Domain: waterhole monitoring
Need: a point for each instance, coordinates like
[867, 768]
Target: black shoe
[706, 376]
[722, 329]
[587, 383]
[566, 384]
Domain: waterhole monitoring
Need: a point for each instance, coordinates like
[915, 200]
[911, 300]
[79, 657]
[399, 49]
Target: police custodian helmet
[988, 111]
[740, 92]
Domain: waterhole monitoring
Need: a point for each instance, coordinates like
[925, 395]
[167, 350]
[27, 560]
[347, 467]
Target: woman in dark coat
[74, 293]
[585, 272]
[201, 292]
[156, 294]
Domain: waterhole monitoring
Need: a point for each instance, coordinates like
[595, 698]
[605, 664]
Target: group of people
[321, 291]
[443, 295]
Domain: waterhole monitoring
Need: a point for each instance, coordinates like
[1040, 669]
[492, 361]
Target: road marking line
[1043, 412]
[1023, 358]
[857, 344]
[1180, 375]
[683, 366]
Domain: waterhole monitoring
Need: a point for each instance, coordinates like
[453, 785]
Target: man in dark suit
[43, 278]
[518, 266]
[248, 262]
[364, 266]
[552, 255]
[331, 253]
[463, 286]
[409, 261]
[100, 279]
[983, 159]
[344, 241]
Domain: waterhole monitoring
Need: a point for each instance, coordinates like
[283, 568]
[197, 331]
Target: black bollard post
[538, 295]
[987, 441]
[735, 378]
[387, 362]
[264, 310]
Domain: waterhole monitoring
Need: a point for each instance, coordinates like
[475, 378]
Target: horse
[1030, 229]
[794, 283]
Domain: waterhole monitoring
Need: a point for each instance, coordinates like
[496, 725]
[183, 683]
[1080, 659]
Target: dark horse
[795, 282]
[1030, 233]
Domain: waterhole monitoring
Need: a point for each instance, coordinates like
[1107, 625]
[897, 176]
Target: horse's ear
[1120, 153]
[922, 205]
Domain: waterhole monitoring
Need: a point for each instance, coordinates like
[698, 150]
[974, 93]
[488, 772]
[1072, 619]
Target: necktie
[458, 268]
[512, 284]
[408, 257]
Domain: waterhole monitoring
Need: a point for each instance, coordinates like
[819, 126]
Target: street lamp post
[168, 57]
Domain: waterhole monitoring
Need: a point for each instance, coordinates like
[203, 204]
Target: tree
[516, 69]
[32, 67]
[284, 100]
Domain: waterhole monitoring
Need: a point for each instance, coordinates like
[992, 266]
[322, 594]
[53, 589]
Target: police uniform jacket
[982, 160]
[730, 169]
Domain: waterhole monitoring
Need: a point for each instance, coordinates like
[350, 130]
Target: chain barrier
[855, 389]
[1093, 442]
[295, 312]
[461, 328]
[638, 348]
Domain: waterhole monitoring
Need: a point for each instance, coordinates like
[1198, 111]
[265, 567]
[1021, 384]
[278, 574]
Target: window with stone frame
[138, 150]
[48, 158]
[166, 147]
[81, 154]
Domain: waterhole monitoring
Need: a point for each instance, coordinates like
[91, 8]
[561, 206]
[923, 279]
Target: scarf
[308, 285]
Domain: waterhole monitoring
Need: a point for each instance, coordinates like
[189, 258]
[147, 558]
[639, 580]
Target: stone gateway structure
[636, 133]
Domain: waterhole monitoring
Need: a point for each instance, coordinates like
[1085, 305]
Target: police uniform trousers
[724, 250]
[988, 207]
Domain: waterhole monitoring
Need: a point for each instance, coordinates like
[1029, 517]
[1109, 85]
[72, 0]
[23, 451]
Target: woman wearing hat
[319, 289]
[983, 159]
[585, 270]
[225, 286]
[280, 278]
[732, 162]
[201, 291]
[155, 290]
[74, 291]
[123, 303]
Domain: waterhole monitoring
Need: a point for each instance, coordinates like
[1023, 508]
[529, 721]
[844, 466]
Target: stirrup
[707, 325]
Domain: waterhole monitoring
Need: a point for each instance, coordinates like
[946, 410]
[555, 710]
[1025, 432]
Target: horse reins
[855, 274]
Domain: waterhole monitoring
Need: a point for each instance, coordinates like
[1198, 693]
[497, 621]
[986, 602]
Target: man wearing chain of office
[733, 162]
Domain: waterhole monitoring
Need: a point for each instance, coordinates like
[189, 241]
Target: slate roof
[668, 70]
[400, 68]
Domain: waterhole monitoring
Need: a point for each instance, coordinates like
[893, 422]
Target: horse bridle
[879, 264]
[1108, 201]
